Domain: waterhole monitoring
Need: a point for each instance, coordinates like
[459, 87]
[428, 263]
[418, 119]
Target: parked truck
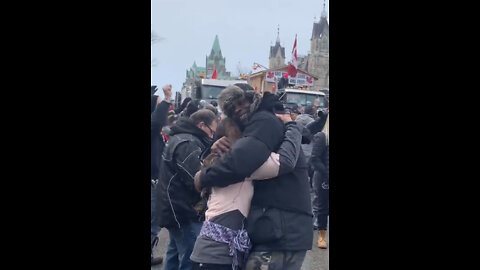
[206, 89]
[304, 97]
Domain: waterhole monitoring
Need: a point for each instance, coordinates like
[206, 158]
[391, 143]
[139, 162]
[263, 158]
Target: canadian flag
[255, 66]
[214, 75]
[309, 79]
[292, 65]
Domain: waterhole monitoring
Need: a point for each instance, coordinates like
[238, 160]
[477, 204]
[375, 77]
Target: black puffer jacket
[320, 158]
[282, 205]
[317, 125]
[180, 161]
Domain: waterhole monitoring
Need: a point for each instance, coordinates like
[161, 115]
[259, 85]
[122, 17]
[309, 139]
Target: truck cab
[304, 97]
[207, 89]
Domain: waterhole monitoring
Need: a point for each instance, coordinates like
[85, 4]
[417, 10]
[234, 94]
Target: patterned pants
[276, 260]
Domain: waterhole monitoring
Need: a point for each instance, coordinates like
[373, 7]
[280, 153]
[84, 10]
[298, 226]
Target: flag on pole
[292, 65]
[257, 66]
[214, 75]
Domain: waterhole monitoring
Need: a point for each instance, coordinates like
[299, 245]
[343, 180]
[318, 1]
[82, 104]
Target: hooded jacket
[176, 193]
[317, 125]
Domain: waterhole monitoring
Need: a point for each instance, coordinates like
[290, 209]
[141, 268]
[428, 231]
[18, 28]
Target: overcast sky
[246, 29]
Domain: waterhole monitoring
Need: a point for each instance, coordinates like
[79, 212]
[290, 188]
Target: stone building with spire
[196, 71]
[277, 53]
[216, 61]
[213, 61]
[317, 61]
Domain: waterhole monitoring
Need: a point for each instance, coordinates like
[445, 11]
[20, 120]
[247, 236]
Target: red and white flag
[255, 66]
[292, 65]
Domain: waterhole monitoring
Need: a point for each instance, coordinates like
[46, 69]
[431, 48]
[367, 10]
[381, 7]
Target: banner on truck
[300, 79]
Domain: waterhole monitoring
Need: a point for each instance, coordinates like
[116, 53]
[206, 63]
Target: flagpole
[262, 66]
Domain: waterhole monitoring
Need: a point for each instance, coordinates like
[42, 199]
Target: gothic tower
[277, 53]
[216, 61]
[318, 58]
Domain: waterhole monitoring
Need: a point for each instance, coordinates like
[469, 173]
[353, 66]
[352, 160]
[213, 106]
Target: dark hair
[228, 128]
[203, 115]
[192, 107]
[292, 107]
[183, 105]
[214, 103]
[309, 110]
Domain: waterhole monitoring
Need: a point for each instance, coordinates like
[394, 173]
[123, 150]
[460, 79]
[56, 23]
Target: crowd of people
[233, 189]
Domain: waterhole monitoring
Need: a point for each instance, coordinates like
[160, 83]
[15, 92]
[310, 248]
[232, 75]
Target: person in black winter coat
[317, 125]
[177, 199]
[280, 218]
[183, 105]
[321, 181]
[283, 82]
[158, 120]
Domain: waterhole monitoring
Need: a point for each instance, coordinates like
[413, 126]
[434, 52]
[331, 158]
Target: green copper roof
[195, 71]
[212, 61]
[216, 47]
[200, 69]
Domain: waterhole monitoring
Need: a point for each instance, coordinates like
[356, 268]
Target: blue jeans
[181, 245]
[154, 227]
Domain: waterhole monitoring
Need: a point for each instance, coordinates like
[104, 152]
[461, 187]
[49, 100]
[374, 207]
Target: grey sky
[246, 29]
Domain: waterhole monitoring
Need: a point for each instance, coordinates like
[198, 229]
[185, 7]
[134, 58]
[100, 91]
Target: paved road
[316, 259]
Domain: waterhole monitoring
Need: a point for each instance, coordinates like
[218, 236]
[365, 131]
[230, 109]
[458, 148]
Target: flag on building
[292, 65]
[214, 75]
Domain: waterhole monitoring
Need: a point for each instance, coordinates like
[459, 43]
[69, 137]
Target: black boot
[316, 227]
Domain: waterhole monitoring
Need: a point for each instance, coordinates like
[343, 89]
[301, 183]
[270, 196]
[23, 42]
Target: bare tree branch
[155, 38]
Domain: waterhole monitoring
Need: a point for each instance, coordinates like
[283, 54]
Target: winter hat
[229, 97]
